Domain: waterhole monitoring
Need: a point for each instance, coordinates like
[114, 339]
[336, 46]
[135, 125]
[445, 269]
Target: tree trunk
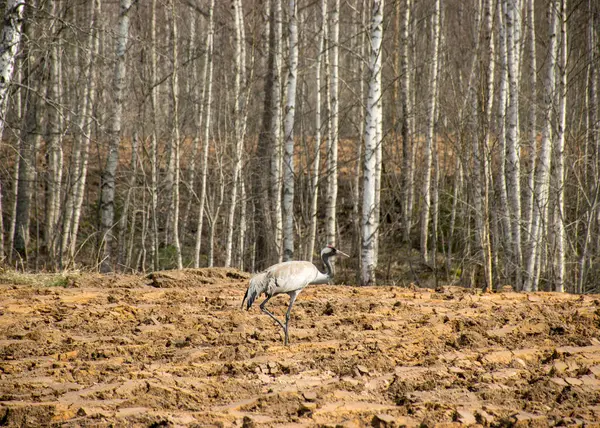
[485, 152]
[107, 198]
[154, 100]
[239, 125]
[206, 132]
[369, 222]
[503, 210]
[264, 233]
[332, 148]
[81, 165]
[429, 137]
[213, 212]
[542, 176]
[198, 113]
[318, 136]
[532, 117]
[288, 160]
[559, 155]
[28, 146]
[276, 126]
[175, 137]
[9, 45]
[405, 84]
[513, 166]
[53, 173]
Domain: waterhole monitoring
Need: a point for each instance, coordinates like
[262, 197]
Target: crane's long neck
[328, 268]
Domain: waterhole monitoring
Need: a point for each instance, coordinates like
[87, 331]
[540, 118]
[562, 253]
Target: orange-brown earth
[174, 349]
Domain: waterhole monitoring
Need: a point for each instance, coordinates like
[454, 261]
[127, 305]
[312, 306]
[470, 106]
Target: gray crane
[289, 278]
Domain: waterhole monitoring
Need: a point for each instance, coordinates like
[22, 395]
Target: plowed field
[175, 349]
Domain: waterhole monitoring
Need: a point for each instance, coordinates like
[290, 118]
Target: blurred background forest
[460, 136]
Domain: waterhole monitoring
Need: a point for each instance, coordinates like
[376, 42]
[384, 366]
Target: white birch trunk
[360, 46]
[471, 105]
[213, 213]
[513, 166]
[238, 119]
[592, 127]
[276, 128]
[1, 227]
[532, 118]
[206, 132]
[176, 139]
[429, 137]
[405, 85]
[318, 135]
[107, 198]
[243, 225]
[198, 115]
[542, 176]
[378, 157]
[128, 215]
[288, 160]
[332, 149]
[53, 175]
[503, 211]
[9, 45]
[369, 223]
[154, 100]
[85, 124]
[559, 156]
[485, 167]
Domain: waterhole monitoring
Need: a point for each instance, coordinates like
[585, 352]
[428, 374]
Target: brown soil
[174, 349]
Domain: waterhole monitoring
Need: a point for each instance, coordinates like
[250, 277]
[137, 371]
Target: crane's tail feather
[245, 297]
[258, 285]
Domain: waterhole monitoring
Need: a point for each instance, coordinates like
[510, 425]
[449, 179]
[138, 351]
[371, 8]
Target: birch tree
[264, 245]
[513, 166]
[276, 125]
[53, 174]
[558, 152]
[485, 156]
[592, 127]
[542, 177]
[29, 143]
[288, 160]
[503, 210]
[107, 197]
[175, 137]
[10, 38]
[208, 65]
[407, 172]
[83, 140]
[332, 147]
[238, 118]
[369, 222]
[318, 136]
[429, 137]
[532, 116]
[154, 100]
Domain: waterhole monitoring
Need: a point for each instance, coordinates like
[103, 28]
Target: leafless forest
[464, 136]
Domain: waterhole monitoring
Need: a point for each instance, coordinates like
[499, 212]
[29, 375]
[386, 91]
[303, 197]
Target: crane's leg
[287, 316]
[263, 307]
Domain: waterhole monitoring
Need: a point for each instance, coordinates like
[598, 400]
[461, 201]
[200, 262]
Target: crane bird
[289, 278]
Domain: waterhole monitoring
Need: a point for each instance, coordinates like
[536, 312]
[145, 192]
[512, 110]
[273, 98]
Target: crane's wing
[291, 276]
[282, 278]
[258, 285]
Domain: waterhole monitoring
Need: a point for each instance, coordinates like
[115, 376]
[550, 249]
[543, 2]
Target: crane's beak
[341, 253]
